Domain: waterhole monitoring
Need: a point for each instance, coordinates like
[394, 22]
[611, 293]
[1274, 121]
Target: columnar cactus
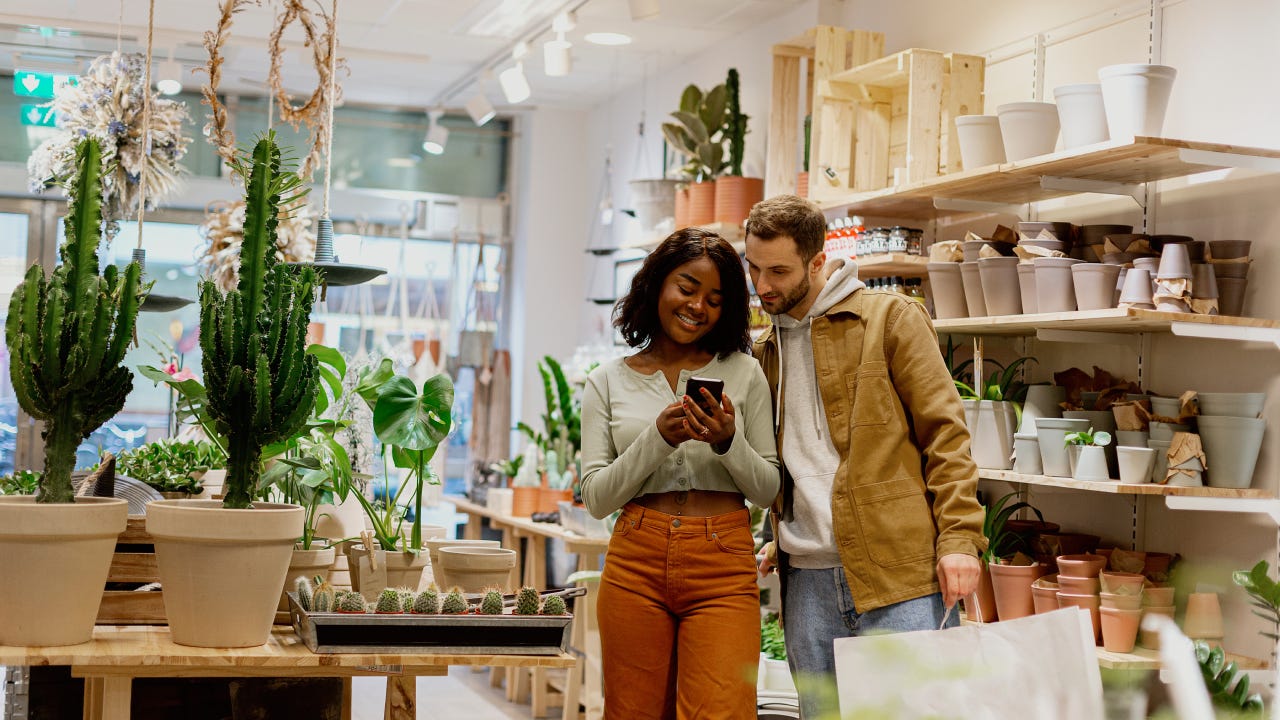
[492, 603]
[324, 598]
[389, 602]
[527, 601]
[735, 127]
[428, 601]
[454, 603]
[554, 605]
[303, 587]
[260, 381]
[68, 334]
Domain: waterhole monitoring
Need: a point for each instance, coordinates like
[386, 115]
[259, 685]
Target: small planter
[474, 569]
[1000, 286]
[983, 599]
[1100, 420]
[1243, 405]
[1091, 464]
[1175, 263]
[549, 499]
[702, 203]
[1043, 401]
[775, 675]
[1229, 249]
[1203, 618]
[1095, 285]
[1026, 453]
[524, 500]
[980, 141]
[1029, 129]
[1078, 585]
[1053, 453]
[433, 546]
[1122, 583]
[802, 184]
[1136, 97]
[991, 426]
[1044, 594]
[1119, 601]
[1012, 585]
[1055, 289]
[681, 205]
[1027, 287]
[1231, 446]
[974, 299]
[1160, 464]
[948, 291]
[1136, 291]
[1086, 602]
[735, 197]
[308, 564]
[1084, 565]
[1135, 464]
[1119, 629]
[1231, 295]
[1081, 114]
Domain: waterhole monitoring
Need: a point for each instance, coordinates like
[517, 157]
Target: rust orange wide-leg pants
[679, 614]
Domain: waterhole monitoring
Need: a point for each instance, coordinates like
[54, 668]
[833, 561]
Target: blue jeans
[817, 609]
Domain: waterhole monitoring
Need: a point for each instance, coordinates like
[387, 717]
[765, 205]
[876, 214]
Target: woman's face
[690, 302]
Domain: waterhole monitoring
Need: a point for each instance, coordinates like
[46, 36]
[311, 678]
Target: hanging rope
[120, 27]
[333, 68]
[146, 121]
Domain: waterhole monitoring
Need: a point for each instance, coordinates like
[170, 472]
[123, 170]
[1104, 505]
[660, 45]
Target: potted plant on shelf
[67, 336]
[173, 467]
[560, 447]
[992, 410]
[775, 674]
[1002, 543]
[1085, 451]
[261, 387]
[698, 134]
[735, 194]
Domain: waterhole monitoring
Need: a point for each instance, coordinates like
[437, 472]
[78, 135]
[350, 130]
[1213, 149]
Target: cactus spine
[428, 601]
[68, 334]
[303, 587]
[554, 605]
[527, 601]
[407, 597]
[735, 124]
[261, 383]
[389, 602]
[454, 603]
[352, 603]
[324, 598]
[492, 603]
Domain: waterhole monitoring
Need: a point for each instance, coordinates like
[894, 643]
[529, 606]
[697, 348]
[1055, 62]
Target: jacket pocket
[896, 523]
[869, 395]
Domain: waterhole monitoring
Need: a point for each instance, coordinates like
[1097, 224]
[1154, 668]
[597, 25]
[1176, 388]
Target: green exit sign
[39, 116]
[40, 85]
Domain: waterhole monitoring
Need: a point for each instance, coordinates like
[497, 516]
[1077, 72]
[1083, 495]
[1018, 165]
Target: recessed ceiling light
[608, 38]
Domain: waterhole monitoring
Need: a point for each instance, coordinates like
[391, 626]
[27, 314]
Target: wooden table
[118, 654]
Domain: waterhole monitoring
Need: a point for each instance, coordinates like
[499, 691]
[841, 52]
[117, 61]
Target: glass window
[13, 263]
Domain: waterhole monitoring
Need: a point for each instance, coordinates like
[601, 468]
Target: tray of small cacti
[401, 620]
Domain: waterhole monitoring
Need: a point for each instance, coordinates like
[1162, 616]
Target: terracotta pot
[1203, 618]
[1121, 602]
[983, 600]
[1000, 285]
[735, 197]
[1157, 563]
[1119, 629]
[702, 203]
[802, 184]
[1068, 543]
[524, 500]
[1012, 586]
[54, 561]
[1078, 585]
[948, 291]
[549, 500]
[1150, 639]
[682, 208]
[1095, 285]
[1122, 583]
[1087, 602]
[475, 569]
[307, 564]
[1229, 249]
[1081, 566]
[1027, 287]
[245, 554]
[974, 299]
[1158, 596]
[1044, 595]
[1055, 289]
[434, 544]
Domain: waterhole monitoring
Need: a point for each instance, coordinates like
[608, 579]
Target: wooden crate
[897, 115]
[798, 65]
[133, 562]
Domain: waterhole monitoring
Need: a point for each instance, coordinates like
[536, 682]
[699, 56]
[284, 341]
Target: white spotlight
[480, 109]
[169, 76]
[437, 134]
[644, 9]
[556, 57]
[515, 86]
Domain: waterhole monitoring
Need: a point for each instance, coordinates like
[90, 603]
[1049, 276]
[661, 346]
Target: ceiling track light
[557, 58]
[515, 86]
[169, 77]
[437, 134]
[480, 109]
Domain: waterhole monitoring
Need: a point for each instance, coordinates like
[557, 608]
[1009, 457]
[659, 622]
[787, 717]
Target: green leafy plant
[562, 421]
[698, 132]
[1002, 385]
[1264, 594]
[508, 468]
[1001, 541]
[735, 124]
[1100, 438]
[260, 381]
[168, 465]
[772, 640]
[68, 334]
[1228, 687]
[21, 482]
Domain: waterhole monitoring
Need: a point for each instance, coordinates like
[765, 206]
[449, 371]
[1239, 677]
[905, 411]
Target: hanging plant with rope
[223, 232]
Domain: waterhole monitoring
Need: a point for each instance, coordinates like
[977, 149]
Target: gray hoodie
[807, 451]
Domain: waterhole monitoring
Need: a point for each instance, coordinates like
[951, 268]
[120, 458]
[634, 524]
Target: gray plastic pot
[1231, 446]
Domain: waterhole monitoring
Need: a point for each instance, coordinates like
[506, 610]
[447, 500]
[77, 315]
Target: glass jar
[897, 239]
[915, 241]
[879, 241]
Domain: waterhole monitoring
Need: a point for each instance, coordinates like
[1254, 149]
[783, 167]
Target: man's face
[779, 274]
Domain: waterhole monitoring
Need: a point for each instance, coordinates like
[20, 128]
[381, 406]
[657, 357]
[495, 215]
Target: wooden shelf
[1144, 659]
[728, 231]
[1118, 488]
[1111, 167]
[1117, 320]
[892, 264]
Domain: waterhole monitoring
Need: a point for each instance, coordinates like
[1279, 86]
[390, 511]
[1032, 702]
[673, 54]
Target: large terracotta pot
[54, 561]
[702, 203]
[1012, 585]
[802, 184]
[984, 600]
[222, 570]
[735, 196]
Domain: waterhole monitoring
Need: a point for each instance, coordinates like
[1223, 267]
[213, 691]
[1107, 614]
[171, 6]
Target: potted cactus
[698, 134]
[67, 336]
[735, 194]
[261, 385]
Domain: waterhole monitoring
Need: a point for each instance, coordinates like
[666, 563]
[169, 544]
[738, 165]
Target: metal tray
[506, 634]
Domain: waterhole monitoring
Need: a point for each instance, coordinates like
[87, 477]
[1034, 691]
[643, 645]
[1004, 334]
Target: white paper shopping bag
[1042, 666]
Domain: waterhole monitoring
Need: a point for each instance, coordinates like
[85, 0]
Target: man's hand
[958, 575]
[765, 559]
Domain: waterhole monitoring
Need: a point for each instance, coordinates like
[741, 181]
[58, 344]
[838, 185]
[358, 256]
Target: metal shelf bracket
[1224, 159]
[1136, 191]
[982, 206]
[1270, 507]
[1270, 336]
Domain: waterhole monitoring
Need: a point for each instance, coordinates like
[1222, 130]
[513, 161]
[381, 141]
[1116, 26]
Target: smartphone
[693, 387]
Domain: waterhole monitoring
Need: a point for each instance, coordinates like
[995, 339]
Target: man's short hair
[790, 215]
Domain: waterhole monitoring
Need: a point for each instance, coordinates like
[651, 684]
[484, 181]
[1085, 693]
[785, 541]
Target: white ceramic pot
[1026, 454]
[980, 141]
[1245, 405]
[1081, 114]
[1091, 464]
[1231, 446]
[776, 675]
[476, 569]
[1136, 97]
[1028, 128]
[1053, 453]
[1135, 464]
[1042, 401]
[991, 427]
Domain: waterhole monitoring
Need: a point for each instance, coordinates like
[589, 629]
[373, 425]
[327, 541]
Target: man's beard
[790, 299]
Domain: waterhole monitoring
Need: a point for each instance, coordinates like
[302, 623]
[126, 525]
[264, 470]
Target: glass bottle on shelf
[897, 239]
[915, 241]
[915, 290]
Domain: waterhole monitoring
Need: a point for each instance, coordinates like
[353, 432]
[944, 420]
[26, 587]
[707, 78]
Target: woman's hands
[687, 420]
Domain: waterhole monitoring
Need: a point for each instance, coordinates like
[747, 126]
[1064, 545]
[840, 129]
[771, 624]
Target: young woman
[679, 607]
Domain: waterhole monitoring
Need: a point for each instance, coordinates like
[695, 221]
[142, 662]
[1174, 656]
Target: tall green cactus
[735, 124]
[68, 334]
[260, 380]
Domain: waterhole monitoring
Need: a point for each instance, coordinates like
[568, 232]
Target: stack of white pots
[1231, 432]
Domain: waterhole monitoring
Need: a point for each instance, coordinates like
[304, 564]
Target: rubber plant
[261, 382]
[68, 334]
[698, 132]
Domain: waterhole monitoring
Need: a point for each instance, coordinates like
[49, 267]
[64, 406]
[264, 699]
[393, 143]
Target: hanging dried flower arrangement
[223, 231]
[106, 104]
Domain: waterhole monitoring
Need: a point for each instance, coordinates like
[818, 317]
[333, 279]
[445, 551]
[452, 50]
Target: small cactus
[303, 587]
[554, 605]
[352, 603]
[407, 597]
[492, 603]
[324, 598]
[389, 602]
[454, 603]
[428, 601]
[527, 601]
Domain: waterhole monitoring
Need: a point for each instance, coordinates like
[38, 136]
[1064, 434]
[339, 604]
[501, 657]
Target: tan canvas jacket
[904, 493]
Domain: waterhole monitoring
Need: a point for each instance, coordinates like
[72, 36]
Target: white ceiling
[400, 52]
